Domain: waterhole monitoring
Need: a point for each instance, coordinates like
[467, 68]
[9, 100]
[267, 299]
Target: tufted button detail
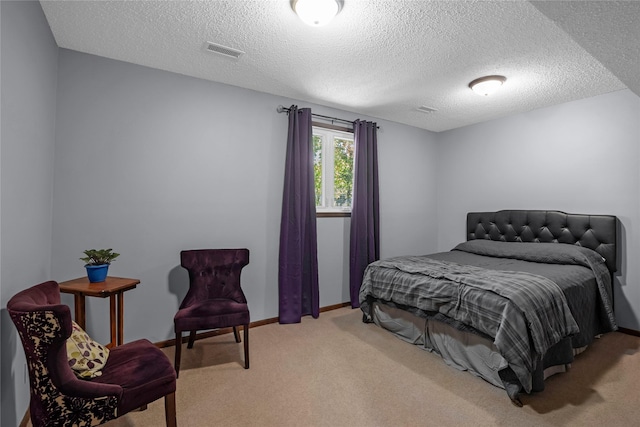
[547, 226]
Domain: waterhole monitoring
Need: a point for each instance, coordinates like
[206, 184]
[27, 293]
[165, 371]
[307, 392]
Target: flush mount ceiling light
[316, 12]
[487, 85]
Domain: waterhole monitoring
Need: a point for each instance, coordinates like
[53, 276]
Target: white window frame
[328, 168]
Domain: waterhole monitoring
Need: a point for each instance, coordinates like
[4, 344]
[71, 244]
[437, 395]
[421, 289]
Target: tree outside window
[334, 154]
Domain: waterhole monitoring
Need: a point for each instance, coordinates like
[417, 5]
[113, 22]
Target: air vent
[224, 50]
[425, 109]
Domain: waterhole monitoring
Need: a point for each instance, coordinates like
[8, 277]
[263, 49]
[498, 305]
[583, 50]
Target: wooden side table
[112, 287]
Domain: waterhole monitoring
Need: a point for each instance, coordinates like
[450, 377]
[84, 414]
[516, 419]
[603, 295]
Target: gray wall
[579, 157]
[183, 163]
[28, 101]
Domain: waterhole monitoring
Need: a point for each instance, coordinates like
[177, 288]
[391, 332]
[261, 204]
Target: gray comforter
[553, 253]
[525, 314]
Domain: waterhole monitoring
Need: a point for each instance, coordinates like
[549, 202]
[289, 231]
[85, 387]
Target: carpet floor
[338, 371]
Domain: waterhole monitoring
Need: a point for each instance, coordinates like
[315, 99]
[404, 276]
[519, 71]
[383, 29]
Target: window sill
[333, 214]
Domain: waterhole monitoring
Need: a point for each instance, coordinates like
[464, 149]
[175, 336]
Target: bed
[515, 303]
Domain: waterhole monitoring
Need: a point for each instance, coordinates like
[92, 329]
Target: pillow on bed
[86, 357]
[550, 253]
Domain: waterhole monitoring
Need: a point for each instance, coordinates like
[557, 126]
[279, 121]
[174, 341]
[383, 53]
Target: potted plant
[97, 263]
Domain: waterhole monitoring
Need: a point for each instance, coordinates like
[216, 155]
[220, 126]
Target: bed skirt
[463, 350]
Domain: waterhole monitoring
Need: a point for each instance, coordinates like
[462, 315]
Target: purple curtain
[365, 211]
[298, 264]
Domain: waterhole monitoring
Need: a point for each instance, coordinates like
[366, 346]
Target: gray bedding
[559, 263]
[556, 294]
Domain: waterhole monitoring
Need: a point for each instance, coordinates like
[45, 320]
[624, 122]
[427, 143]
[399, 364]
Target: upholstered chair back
[214, 274]
[44, 326]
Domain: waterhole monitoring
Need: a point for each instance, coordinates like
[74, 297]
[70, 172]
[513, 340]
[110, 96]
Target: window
[333, 169]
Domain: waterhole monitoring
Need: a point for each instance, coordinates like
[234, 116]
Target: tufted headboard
[597, 232]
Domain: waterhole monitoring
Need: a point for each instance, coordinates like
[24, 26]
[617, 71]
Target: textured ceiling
[382, 58]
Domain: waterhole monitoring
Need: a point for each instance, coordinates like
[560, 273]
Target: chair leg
[178, 351]
[236, 334]
[170, 409]
[192, 338]
[246, 346]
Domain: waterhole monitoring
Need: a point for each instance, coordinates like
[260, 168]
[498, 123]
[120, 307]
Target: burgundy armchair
[215, 299]
[136, 373]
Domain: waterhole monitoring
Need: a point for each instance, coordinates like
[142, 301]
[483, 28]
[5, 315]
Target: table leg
[78, 304]
[112, 318]
[120, 318]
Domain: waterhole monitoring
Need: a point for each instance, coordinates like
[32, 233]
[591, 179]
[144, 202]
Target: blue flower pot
[97, 273]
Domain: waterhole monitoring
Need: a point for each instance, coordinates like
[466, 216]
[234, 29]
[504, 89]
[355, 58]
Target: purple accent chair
[136, 373]
[215, 299]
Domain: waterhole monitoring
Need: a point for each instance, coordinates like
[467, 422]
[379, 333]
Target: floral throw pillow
[86, 357]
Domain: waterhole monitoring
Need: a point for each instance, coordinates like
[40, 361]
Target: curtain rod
[283, 109]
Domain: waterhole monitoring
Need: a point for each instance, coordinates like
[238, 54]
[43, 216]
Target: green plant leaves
[99, 256]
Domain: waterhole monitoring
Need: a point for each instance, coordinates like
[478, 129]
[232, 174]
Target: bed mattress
[577, 282]
[470, 349]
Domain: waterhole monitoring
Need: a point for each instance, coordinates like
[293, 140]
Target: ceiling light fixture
[316, 12]
[487, 85]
